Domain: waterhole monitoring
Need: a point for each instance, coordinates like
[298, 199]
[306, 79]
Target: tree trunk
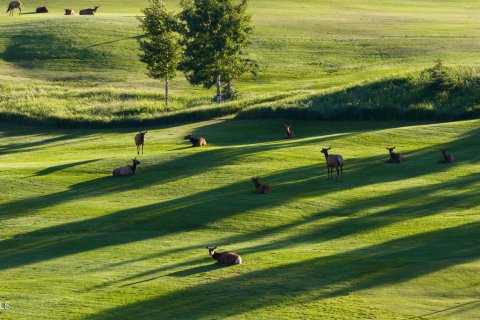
[219, 90]
[166, 92]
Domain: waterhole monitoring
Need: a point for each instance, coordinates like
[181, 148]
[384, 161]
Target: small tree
[215, 32]
[160, 45]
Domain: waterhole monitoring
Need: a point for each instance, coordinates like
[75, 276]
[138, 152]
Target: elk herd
[18, 5]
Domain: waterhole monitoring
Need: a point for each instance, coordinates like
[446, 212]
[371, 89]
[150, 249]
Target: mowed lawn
[392, 241]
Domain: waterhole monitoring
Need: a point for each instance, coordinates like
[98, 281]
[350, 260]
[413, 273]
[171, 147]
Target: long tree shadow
[383, 264]
[61, 167]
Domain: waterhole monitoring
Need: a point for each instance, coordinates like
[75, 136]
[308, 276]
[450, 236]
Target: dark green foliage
[161, 48]
[216, 32]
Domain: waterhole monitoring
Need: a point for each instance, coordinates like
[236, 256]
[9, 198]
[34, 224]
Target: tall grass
[436, 93]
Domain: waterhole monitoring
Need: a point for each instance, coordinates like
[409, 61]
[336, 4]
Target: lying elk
[88, 11]
[260, 188]
[14, 5]
[289, 134]
[69, 12]
[446, 157]
[333, 161]
[127, 170]
[140, 140]
[395, 157]
[41, 10]
[225, 258]
[196, 142]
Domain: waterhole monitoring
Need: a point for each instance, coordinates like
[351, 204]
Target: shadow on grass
[383, 264]
[60, 167]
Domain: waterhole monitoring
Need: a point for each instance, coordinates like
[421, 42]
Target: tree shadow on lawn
[388, 263]
[12, 148]
[61, 167]
[414, 203]
[147, 175]
[196, 211]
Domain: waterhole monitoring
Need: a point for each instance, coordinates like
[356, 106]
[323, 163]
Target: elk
[89, 11]
[127, 170]
[333, 161]
[288, 132]
[260, 188]
[446, 157]
[69, 12]
[395, 157]
[140, 140]
[224, 258]
[41, 10]
[196, 142]
[14, 5]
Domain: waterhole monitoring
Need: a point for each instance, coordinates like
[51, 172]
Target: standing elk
[88, 12]
[395, 157]
[333, 161]
[260, 188]
[14, 5]
[196, 142]
[225, 258]
[140, 140]
[289, 134]
[127, 170]
[446, 157]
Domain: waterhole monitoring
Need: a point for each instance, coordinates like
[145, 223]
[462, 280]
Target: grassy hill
[389, 242]
[78, 67]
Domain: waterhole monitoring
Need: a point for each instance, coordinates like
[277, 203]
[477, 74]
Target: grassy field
[72, 68]
[389, 242]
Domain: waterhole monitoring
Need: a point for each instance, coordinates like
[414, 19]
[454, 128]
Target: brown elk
[288, 132]
[446, 157]
[225, 258]
[14, 5]
[333, 161]
[89, 11]
[41, 10]
[260, 188]
[127, 170]
[395, 157]
[140, 140]
[196, 142]
[69, 12]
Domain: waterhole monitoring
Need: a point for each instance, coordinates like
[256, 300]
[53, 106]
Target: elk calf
[140, 140]
[446, 157]
[333, 161]
[196, 142]
[127, 170]
[41, 10]
[225, 258]
[89, 11]
[395, 157]
[289, 134]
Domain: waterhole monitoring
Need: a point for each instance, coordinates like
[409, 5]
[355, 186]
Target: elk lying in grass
[140, 140]
[395, 157]
[69, 12]
[89, 11]
[225, 258]
[333, 161]
[260, 188]
[446, 157]
[41, 10]
[196, 142]
[14, 5]
[127, 170]
[289, 134]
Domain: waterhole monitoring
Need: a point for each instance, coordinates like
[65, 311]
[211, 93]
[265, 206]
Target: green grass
[389, 242]
[69, 69]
